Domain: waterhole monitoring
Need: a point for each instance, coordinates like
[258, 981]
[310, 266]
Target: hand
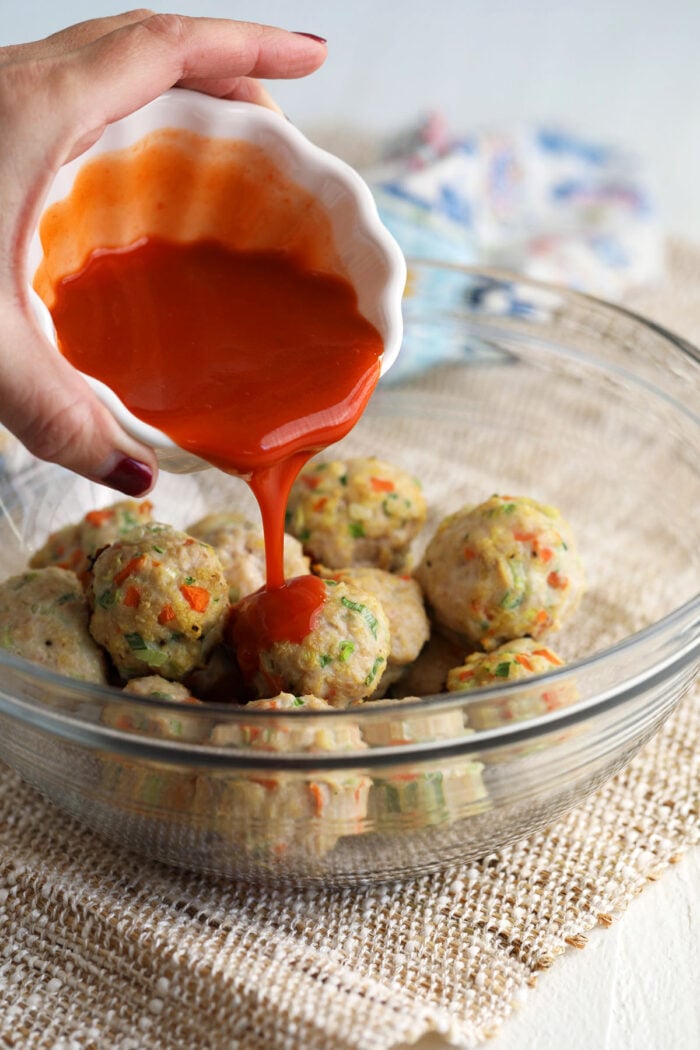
[56, 97]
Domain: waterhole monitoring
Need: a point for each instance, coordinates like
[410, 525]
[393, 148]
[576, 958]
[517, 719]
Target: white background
[622, 72]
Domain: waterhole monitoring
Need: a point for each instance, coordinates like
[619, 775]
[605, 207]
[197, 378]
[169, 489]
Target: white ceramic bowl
[360, 248]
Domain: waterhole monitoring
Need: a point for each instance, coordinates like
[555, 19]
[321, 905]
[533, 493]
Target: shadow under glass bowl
[503, 385]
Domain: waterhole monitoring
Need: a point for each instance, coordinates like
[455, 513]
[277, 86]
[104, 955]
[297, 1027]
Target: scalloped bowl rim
[185, 109]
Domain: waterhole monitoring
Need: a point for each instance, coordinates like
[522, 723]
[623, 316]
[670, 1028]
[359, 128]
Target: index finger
[122, 71]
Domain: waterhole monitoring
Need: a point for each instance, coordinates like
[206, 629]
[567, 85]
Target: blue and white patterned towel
[538, 201]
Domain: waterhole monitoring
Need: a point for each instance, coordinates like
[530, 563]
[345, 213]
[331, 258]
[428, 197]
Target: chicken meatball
[44, 618]
[240, 545]
[268, 812]
[305, 736]
[159, 601]
[427, 675]
[219, 681]
[337, 654]
[502, 570]
[74, 546]
[402, 601]
[153, 687]
[356, 512]
[420, 796]
[150, 719]
[403, 724]
[520, 659]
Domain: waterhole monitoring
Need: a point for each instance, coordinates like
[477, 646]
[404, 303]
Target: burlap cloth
[103, 949]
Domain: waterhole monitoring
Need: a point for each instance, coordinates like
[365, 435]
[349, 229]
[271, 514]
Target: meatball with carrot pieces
[402, 601]
[74, 546]
[219, 681]
[150, 719]
[312, 636]
[419, 796]
[44, 618]
[240, 546]
[514, 661]
[322, 735]
[506, 569]
[159, 600]
[402, 724]
[154, 687]
[274, 813]
[427, 675]
[356, 512]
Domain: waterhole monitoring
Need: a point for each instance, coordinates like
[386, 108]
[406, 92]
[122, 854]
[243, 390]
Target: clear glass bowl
[503, 385]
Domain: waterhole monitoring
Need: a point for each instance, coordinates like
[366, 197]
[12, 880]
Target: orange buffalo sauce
[271, 615]
[247, 357]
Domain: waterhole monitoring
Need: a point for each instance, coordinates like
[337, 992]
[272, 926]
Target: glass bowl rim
[97, 735]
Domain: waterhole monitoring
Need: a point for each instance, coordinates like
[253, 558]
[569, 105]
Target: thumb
[53, 411]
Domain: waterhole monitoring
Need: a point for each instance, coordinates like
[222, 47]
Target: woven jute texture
[99, 948]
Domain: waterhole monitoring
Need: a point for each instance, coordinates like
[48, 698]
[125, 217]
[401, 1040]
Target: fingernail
[312, 36]
[130, 477]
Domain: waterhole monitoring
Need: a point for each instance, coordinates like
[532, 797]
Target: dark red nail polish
[312, 36]
[130, 477]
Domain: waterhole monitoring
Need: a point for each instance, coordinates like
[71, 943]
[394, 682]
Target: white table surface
[635, 986]
[623, 72]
